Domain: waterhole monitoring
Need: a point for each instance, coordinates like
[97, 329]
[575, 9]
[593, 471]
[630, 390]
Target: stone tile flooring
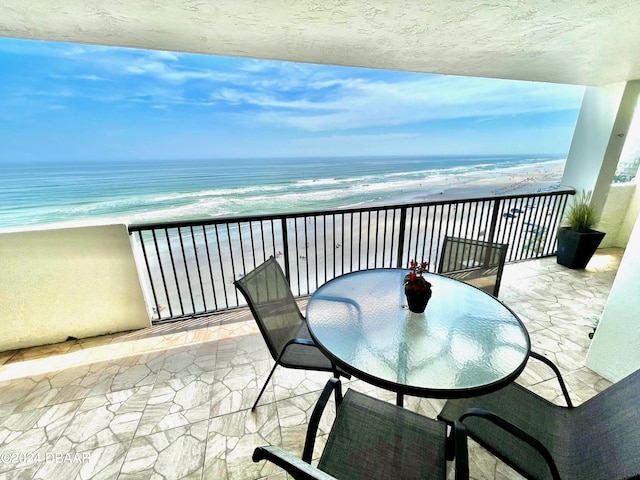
[173, 401]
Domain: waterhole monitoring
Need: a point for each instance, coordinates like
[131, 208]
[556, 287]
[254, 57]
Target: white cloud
[312, 98]
[359, 103]
[93, 78]
[89, 77]
[361, 138]
[266, 100]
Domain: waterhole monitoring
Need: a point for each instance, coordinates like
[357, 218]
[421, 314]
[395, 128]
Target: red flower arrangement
[414, 280]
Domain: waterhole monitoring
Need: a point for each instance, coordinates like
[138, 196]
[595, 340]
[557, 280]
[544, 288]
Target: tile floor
[173, 401]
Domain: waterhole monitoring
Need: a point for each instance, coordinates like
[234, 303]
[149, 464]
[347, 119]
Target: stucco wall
[619, 215]
[632, 214]
[75, 282]
[614, 350]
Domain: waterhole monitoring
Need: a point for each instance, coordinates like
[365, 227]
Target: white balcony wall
[619, 214]
[74, 282]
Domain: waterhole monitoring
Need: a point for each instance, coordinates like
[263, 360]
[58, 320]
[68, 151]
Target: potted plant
[416, 287]
[578, 241]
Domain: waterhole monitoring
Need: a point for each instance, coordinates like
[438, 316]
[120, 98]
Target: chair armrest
[300, 341]
[297, 468]
[314, 421]
[555, 369]
[517, 432]
[461, 452]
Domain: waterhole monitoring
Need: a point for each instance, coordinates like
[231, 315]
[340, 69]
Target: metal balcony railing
[188, 268]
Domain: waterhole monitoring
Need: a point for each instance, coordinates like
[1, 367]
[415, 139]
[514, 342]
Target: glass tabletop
[465, 343]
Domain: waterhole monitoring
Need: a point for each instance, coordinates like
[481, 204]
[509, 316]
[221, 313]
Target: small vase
[417, 300]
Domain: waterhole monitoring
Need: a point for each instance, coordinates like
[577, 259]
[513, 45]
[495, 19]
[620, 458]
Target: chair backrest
[475, 262]
[605, 432]
[270, 299]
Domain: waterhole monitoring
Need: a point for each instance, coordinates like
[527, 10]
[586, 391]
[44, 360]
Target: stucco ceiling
[588, 42]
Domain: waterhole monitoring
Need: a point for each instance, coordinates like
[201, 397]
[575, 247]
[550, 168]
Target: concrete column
[601, 129]
[614, 348]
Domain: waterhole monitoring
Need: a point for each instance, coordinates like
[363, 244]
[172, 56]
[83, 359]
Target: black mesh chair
[474, 262]
[371, 439]
[599, 439]
[281, 323]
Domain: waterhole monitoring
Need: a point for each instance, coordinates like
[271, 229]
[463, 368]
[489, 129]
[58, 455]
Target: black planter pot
[575, 249]
[417, 301]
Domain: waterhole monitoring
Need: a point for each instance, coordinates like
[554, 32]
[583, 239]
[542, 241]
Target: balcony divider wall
[189, 267]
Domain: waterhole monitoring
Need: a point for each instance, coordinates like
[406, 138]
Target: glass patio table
[466, 342]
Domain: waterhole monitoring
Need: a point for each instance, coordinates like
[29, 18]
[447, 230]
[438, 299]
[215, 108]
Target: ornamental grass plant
[581, 216]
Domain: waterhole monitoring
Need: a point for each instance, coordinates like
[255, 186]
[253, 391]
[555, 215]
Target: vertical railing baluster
[495, 213]
[265, 254]
[431, 212]
[297, 250]
[352, 239]
[335, 240]
[558, 216]
[186, 270]
[401, 230]
[273, 236]
[324, 248]
[175, 274]
[209, 262]
[368, 249]
[393, 238]
[231, 257]
[306, 252]
[195, 252]
[222, 271]
[243, 260]
[343, 246]
[409, 237]
[539, 222]
[285, 246]
[551, 223]
[422, 233]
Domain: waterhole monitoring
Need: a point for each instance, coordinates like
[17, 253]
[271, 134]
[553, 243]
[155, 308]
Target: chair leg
[338, 387]
[450, 447]
[264, 387]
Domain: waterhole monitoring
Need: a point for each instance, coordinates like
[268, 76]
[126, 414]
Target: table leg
[400, 399]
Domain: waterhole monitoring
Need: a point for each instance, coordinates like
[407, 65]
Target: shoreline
[511, 181]
[539, 180]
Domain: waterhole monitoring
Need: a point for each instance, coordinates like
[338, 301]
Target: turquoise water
[73, 193]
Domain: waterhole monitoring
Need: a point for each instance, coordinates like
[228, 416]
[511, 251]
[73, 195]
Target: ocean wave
[129, 198]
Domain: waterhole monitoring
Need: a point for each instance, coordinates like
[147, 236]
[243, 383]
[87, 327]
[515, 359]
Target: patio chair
[281, 323]
[372, 439]
[475, 262]
[599, 439]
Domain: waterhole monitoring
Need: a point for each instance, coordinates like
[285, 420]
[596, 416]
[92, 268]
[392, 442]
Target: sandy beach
[203, 263]
[517, 183]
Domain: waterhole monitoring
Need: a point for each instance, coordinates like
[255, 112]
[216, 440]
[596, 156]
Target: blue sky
[83, 102]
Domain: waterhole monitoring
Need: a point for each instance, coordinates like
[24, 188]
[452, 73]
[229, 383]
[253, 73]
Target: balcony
[174, 399]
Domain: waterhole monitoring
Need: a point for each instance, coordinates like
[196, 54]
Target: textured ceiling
[588, 42]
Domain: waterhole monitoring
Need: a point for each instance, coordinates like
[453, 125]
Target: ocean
[63, 194]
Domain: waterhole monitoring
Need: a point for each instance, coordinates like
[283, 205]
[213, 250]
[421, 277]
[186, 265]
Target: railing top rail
[280, 216]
